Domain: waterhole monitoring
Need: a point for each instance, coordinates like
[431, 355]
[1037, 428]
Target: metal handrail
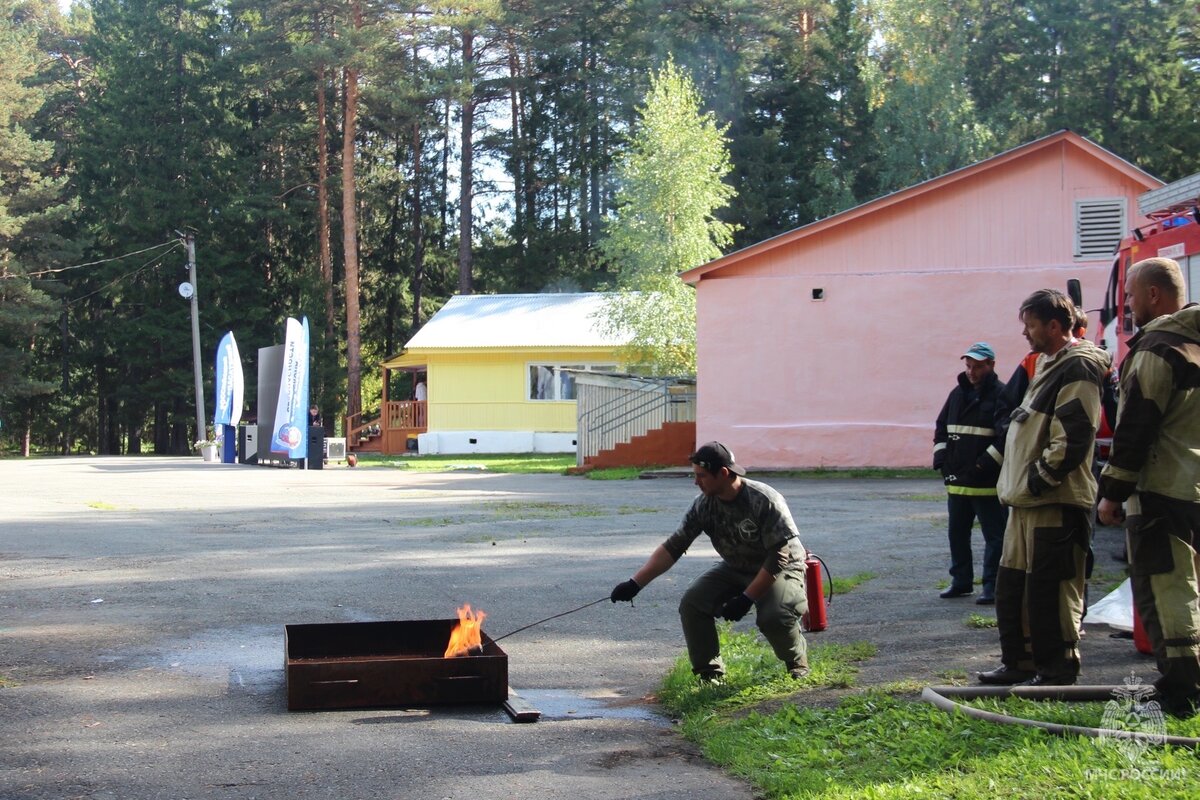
[664, 384]
[627, 410]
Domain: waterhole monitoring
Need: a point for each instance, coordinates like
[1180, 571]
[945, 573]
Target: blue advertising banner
[291, 413]
[231, 384]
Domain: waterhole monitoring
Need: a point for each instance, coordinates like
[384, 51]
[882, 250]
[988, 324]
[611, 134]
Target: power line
[174, 243]
[151, 263]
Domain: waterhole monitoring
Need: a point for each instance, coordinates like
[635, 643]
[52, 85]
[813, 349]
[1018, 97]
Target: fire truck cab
[1173, 232]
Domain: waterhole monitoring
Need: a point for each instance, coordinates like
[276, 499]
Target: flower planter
[208, 452]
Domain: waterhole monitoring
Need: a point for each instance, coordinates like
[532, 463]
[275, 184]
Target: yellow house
[496, 377]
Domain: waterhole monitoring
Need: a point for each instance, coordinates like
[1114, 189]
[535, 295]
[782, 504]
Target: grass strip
[873, 744]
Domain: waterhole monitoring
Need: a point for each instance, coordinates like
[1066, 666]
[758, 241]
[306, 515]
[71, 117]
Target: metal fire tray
[382, 664]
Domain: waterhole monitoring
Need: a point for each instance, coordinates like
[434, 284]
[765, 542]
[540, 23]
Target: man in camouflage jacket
[1046, 481]
[1155, 469]
[761, 566]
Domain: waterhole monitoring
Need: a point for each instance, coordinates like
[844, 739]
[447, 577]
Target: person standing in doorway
[1154, 468]
[968, 449]
[1046, 481]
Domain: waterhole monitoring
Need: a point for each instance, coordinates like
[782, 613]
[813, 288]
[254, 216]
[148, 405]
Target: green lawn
[556, 463]
[884, 743]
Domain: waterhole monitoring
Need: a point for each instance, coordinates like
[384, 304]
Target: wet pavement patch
[562, 704]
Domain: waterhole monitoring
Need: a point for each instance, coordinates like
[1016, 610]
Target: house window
[554, 382]
[1099, 225]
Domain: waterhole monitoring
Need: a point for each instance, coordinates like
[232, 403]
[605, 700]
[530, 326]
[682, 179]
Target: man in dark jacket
[968, 448]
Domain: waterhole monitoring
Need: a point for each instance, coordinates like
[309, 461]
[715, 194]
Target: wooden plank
[520, 709]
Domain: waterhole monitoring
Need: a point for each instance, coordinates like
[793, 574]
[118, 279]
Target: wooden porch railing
[407, 414]
[396, 421]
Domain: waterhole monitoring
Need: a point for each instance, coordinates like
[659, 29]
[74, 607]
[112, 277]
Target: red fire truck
[1173, 232]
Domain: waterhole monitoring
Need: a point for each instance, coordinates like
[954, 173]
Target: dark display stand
[316, 447]
[247, 444]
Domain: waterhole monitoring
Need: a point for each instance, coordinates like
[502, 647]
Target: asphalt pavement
[143, 604]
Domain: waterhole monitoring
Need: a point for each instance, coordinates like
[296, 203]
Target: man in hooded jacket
[1046, 481]
[1155, 468]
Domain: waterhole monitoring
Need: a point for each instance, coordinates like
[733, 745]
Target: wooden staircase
[665, 446]
[368, 440]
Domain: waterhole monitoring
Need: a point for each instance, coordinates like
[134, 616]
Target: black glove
[1034, 481]
[736, 608]
[625, 592]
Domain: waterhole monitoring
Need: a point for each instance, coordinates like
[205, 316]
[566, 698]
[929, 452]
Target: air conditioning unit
[335, 449]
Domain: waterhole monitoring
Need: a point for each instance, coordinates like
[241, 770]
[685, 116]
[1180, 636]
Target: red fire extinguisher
[1140, 640]
[816, 618]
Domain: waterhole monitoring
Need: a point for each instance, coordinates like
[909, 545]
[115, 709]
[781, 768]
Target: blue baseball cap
[980, 351]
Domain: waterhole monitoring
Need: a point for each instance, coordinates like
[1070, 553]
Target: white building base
[455, 442]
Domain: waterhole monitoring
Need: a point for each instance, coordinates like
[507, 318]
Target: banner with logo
[231, 384]
[291, 413]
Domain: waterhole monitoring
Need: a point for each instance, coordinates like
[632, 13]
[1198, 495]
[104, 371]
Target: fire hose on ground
[938, 696]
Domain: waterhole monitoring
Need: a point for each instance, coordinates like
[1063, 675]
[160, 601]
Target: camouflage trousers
[1039, 588]
[777, 614]
[1163, 537]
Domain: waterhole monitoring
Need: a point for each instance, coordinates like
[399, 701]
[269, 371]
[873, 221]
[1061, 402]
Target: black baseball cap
[714, 455]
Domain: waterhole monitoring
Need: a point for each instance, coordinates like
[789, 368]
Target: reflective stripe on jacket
[968, 439]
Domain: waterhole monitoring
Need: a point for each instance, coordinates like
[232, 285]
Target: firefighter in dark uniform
[1155, 468]
[968, 449]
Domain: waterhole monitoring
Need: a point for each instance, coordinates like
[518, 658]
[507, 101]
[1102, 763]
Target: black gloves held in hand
[736, 608]
[625, 592]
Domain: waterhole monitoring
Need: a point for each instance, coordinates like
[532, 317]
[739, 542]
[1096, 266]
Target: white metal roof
[516, 320]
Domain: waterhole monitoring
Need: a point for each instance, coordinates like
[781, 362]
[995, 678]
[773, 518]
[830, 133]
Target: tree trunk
[418, 276]
[323, 246]
[517, 130]
[350, 238]
[465, 185]
[445, 176]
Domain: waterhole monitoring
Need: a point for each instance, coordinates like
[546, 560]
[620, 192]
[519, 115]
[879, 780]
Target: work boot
[956, 591]
[986, 598]
[1180, 707]
[1049, 680]
[798, 671]
[1006, 676]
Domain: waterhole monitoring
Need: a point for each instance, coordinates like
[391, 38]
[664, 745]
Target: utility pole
[190, 240]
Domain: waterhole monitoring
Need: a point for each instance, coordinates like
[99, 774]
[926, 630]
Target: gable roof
[516, 320]
[1064, 138]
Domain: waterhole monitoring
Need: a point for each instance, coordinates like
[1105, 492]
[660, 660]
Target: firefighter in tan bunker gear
[1046, 481]
[1155, 469]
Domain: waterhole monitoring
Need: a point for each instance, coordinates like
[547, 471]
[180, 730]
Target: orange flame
[466, 634]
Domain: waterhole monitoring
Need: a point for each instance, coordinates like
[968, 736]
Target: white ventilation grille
[1099, 225]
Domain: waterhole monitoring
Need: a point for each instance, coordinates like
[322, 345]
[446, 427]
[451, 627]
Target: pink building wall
[857, 379]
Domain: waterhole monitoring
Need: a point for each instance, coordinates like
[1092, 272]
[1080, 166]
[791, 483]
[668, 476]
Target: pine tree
[923, 107]
[155, 158]
[33, 213]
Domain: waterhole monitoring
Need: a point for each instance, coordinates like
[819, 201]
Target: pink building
[835, 344]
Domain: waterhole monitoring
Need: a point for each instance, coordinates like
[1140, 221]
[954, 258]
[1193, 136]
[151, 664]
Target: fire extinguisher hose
[828, 575]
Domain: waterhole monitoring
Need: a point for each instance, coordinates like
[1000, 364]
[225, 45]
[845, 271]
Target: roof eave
[1133, 172]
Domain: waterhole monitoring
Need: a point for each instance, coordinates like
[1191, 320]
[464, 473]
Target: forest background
[359, 162]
